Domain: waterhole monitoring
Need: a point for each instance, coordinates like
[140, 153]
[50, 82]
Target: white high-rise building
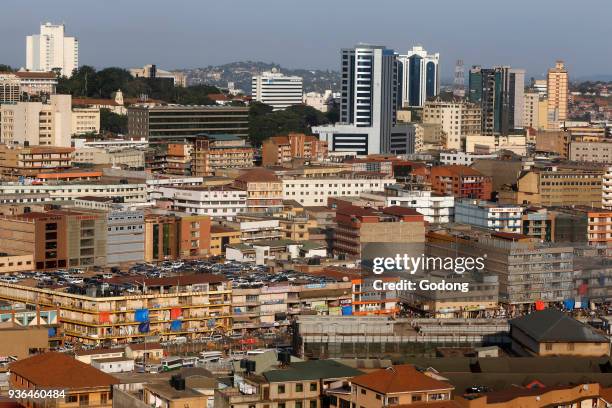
[419, 76]
[368, 105]
[277, 90]
[51, 49]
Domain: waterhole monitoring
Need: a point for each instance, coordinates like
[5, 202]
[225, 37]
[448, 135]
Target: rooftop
[552, 325]
[398, 379]
[311, 370]
[57, 370]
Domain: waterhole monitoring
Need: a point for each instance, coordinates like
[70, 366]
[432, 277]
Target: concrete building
[367, 104]
[37, 83]
[37, 123]
[18, 193]
[22, 341]
[151, 71]
[481, 144]
[214, 152]
[10, 88]
[52, 50]
[419, 76]
[320, 101]
[312, 191]
[558, 94]
[485, 214]
[457, 119]
[527, 269]
[94, 318]
[28, 162]
[606, 189]
[356, 227]
[130, 158]
[555, 142]
[57, 238]
[539, 223]
[176, 122]
[593, 152]
[435, 208]
[279, 150]
[462, 158]
[125, 238]
[265, 191]
[276, 89]
[85, 121]
[221, 237]
[460, 182]
[500, 93]
[175, 236]
[536, 111]
[222, 202]
[557, 186]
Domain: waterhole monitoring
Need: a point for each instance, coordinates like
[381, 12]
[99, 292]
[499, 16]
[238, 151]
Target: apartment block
[216, 201]
[591, 152]
[14, 193]
[29, 162]
[85, 121]
[458, 119]
[10, 88]
[556, 142]
[264, 190]
[57, 238]
[485, 214]
[557, 186]
[558, 94]
[37, 83]
[130, 158]
[539, 223]
[358, 226]
[221, 237]
[37, 123]
[460, 182]
[176, 236]
[191, 306]
[215, 152]
[312, 191]
[278, 150]
[125, 240]
[527, 269]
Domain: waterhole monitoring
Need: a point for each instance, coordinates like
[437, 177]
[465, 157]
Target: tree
[112, 122]
[264, 122]
[6, 68]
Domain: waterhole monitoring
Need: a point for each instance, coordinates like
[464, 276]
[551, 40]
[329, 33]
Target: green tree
[112, 122]
[6, 68]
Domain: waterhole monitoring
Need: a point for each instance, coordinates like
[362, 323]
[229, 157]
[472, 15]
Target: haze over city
[191, 33]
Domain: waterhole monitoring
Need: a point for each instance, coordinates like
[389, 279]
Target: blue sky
[528, 34]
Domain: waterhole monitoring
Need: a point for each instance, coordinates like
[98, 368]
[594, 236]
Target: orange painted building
[278, 150]
[460, 182]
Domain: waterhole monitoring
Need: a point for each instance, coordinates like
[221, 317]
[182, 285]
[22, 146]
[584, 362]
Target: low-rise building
[81, 383]
[265, 192]
[223, 202]
[279, 150]
[170, 235]
[130, 158]
[221, 237]
[460, 182]
[550, 332]
[486, 214]
[85, 121]
[27, 162]
[214, 152]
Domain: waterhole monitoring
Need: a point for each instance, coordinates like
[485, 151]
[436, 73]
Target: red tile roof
[58, 370]
[398, 379]
[258, 175]
[29, 74]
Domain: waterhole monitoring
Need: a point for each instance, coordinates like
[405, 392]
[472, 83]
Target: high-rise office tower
[500, 93]
[369, 97]
[51, 50]
[277, 90]
[419, 76]
[558, 88]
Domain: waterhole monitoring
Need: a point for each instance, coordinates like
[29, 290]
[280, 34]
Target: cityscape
[403, 229]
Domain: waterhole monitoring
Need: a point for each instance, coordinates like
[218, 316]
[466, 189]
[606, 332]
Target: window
[416, 398]
[71, 398]
[298, 404]
[281, 389]
[570, 346]
[313, 404]
[299, 387]
[313, 386]
[548, 347]
[363, 392]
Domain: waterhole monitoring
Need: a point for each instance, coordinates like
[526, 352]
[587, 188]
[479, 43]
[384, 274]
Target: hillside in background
[241, 72]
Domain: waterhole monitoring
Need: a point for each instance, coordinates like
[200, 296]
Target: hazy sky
[528, 34]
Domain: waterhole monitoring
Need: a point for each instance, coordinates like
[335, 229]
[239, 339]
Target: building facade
[276, 89]
[52, 50]
[419, 76]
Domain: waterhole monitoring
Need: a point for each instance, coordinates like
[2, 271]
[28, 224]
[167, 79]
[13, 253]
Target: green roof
[311, 370]
[308, 245]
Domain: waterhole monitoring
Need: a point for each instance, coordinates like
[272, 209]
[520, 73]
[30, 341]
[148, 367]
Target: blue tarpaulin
[569, 304]
[347, 310]
[143, 327]
[175, 325]
[51, 331]
[585, 302]
[141, 315]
